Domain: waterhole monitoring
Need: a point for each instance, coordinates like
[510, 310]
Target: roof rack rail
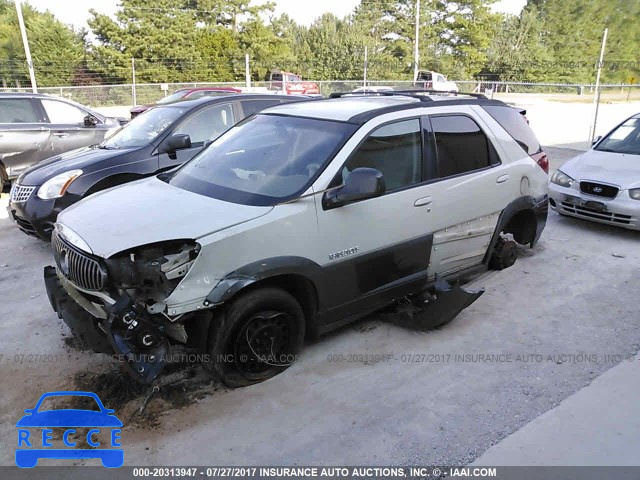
[442, 92]
[417, 93]
[389, 93]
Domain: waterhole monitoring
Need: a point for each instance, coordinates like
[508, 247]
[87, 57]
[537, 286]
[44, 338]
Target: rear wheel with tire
[256, 337]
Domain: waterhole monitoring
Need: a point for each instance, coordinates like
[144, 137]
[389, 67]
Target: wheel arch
[298, 276]
[524, 218]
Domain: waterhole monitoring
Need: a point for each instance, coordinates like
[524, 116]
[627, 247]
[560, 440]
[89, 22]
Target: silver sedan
[603, 184]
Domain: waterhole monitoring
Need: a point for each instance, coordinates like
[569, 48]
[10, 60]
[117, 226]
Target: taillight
[542, 161]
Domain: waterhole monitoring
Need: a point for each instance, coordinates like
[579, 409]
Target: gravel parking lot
[371, 393]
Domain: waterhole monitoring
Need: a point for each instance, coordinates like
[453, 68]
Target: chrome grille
[599, 189]
[20, 193]
[82, 270]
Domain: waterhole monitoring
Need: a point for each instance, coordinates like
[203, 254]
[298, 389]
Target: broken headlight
[151, 272]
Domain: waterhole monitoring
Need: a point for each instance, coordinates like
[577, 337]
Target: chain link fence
[130, 94]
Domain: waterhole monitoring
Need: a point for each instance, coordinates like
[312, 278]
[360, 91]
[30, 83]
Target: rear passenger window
[249, 107]
[395, 150]
[516, 125]
[17, 110]
[460, 144]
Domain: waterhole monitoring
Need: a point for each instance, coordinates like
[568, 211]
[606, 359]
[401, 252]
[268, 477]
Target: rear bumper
[621, 211]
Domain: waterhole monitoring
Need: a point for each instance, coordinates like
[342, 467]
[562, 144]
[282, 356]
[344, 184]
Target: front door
[202, 126]
[67, 128]
[378, 248]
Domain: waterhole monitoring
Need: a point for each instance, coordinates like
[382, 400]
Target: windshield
[144, 128]
[174, 97]
[265, 160]
[624, 139]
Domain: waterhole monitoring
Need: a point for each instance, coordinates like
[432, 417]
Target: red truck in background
[291, 84]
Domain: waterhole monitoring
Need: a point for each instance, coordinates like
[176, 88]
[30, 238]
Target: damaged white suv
[296, 221]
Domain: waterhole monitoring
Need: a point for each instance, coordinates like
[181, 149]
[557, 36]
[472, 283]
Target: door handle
[502, 179]
[421, 202]
[61, 134]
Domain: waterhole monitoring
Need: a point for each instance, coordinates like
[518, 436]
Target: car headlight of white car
[562, 179]
[635, 193]
[56, 187]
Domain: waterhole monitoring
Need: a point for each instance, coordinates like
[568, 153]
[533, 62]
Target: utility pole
[133, 81]
[416, 42]
[364, 84]
[25, 42]
[247, 74]
[596, 96]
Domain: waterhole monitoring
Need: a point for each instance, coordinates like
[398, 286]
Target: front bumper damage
[140, 346]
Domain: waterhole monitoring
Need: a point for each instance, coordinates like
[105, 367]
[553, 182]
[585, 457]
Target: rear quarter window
[515, 124]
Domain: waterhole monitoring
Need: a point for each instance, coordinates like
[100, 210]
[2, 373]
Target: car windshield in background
[624, 139]
[144, 128]
[264, 160]
[174, 97]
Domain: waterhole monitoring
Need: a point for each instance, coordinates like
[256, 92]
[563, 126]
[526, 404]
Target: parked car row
[239, 225]
[164, 137]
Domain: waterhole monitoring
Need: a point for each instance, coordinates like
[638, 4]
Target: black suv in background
[162, 138]
[34, 127]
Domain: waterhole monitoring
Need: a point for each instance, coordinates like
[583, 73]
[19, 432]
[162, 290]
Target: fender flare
[539, 206]
[264, 269]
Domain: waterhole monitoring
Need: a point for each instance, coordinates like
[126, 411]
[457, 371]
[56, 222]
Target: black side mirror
[361, 183]
[176, 142]
[90, 121]
[596, 140]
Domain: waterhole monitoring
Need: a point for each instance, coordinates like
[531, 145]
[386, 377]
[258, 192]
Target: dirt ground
[369, 394]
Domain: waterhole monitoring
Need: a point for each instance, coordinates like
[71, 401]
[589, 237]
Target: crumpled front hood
[149, 211]
[615, 168]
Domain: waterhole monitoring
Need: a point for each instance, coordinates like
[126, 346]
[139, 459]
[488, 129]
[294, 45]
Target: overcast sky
[76, 13]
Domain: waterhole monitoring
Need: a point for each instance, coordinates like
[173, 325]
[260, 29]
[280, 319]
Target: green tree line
[206, 40]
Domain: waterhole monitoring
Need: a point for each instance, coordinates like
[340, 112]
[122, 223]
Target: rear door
[202, 126]
[24, 137]
[67, 128]
[470, 188]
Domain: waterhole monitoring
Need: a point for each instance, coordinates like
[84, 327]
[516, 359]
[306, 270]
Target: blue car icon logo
[34, 445]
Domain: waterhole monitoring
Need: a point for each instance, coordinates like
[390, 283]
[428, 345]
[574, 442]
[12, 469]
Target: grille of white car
[84, 271]
[21, 194]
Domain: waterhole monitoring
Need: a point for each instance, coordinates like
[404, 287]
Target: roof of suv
[193, 102]
[359, 109]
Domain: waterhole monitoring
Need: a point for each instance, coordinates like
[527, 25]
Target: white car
[435, 81]
[603, 184]
[373, 89]
[296, 221]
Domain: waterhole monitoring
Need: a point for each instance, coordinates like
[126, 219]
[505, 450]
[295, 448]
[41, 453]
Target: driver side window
[207, 124]
[395, 150]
